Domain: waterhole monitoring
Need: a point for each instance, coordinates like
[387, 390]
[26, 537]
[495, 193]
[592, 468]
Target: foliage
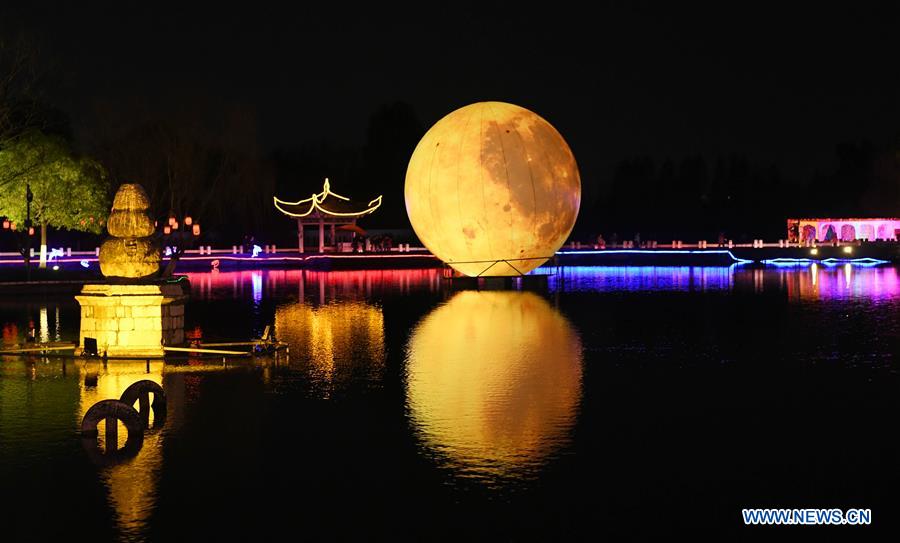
[70, 192]
[192, 163]
[695, 197]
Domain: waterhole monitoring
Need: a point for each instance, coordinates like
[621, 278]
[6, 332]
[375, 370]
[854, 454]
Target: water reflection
[315, 285]
[806, 282]
[132, 485]
[337, 344]
[494, 383]
[647, 278]
[845, 281]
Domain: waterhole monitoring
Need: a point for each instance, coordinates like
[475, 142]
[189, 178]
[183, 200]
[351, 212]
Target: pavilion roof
[327, 204]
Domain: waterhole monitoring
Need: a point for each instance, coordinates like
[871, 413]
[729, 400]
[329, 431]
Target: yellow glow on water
[44, 325]
[132, 484]
[336, 340]
[494, 381]
[112, 382]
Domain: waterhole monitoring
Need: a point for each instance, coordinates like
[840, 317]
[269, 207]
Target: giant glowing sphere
[493, 189]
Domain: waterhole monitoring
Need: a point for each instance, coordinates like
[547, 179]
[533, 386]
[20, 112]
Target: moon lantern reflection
[494, 382]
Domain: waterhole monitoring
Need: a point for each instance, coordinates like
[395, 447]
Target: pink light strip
[250, 258]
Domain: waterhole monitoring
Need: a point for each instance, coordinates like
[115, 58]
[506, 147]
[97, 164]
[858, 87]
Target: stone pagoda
[132, 312]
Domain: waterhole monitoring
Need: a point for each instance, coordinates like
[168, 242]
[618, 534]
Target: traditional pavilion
[323, 208]
[850, 229]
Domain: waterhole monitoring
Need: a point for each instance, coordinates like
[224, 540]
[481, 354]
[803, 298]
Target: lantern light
[196, 229]
[454, 198]
[30, 230]
[12, 226]
[848, 249]
[171, 221]
[175, 225]
[6, 225]
[813, 251]
[188, 220]
[167, 230]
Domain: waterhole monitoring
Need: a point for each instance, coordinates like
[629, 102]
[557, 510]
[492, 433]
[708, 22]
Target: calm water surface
[617, 402]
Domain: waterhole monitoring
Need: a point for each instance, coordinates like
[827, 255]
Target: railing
[703, 244]
[66, 254]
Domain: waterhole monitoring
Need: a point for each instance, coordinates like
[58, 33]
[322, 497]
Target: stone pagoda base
[133, 319]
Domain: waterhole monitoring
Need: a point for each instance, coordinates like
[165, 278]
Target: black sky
[777, 84]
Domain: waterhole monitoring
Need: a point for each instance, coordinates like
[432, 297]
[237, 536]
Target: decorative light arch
[325, 207]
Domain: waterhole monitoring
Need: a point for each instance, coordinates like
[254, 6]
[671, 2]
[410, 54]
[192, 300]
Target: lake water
[618, 402]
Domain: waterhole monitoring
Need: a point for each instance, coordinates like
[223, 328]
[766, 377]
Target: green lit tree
[70, 192]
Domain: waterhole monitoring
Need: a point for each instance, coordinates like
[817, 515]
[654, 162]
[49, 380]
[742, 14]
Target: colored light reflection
[494, 382]
[256, 278]
[847, 281]
[828, 261]
[336, 343]
[646, 278]
[319, 286]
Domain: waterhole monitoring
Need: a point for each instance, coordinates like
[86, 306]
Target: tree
[394, 131]
[196, 159]
[70, 192]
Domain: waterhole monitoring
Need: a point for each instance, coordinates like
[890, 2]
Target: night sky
[618, 80]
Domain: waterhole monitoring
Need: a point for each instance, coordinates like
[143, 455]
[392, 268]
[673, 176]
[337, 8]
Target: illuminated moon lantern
[492, 189]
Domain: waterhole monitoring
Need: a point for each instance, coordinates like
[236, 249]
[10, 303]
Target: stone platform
[133, 319]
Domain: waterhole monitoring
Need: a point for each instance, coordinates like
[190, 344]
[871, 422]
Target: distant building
[803, 230]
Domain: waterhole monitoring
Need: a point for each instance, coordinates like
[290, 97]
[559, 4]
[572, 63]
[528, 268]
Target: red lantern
[6, 224]
[30, 230]
[12, 226]
[188, 220]
[167, 230]
[171, 221]
[175, 225]
[196, 229]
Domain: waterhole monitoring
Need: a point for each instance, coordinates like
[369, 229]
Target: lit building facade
[807, 230]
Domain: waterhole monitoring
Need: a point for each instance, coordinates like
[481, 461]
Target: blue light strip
[788, 262]
[828, 261]
[866, 260]
[657, 252]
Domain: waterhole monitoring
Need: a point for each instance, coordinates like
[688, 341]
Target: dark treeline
[202, 157]
[378, 167]
[204, 160]
[695, 197]
[197, 159]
